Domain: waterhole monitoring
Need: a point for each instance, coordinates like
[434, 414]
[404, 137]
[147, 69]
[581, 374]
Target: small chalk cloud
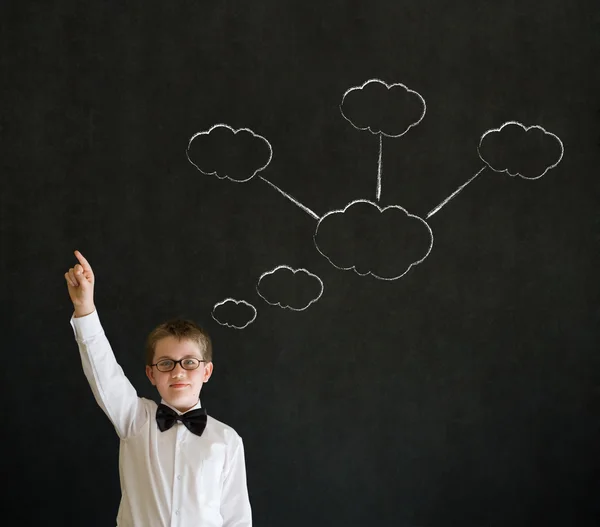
[381, 108]
[370, 240]
[290, 288]
[237, 155]
[234, 313]
[519, 150]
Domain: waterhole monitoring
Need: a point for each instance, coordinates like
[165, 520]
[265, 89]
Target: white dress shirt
[172, 478]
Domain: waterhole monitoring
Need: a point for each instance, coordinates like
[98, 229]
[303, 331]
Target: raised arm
[111, 388]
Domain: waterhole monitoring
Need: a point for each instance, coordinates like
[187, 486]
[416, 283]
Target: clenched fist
[80, 282]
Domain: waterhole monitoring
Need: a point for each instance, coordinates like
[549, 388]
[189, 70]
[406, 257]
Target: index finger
[86, 265]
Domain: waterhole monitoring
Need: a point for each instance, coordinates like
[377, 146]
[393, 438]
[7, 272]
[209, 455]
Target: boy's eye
[165, 363]
[190, 362]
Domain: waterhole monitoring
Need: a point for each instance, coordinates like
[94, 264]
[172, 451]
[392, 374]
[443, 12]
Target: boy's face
[178, 387]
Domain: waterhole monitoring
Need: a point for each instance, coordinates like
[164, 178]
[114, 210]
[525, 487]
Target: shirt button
[179, 476]
[177, 512]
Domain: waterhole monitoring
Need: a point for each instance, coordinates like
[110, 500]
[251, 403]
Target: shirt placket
[176, 510]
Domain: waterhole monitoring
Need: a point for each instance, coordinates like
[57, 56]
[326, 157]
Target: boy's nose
[177, 370]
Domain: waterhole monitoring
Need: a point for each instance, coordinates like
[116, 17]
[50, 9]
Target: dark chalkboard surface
[385, 213]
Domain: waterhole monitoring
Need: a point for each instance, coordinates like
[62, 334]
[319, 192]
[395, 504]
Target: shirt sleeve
[112, 390]
[235, 502]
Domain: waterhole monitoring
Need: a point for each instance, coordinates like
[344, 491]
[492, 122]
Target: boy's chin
[181, 401]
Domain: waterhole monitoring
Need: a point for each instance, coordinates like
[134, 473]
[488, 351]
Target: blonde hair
[181, 329]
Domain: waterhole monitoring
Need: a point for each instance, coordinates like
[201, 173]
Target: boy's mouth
[179, 385]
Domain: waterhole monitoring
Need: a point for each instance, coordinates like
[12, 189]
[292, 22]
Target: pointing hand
[80, 282]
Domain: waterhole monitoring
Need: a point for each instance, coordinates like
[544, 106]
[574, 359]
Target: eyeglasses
[190, 363]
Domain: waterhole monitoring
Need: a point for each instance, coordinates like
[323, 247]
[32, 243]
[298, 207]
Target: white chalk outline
[235, 302]
[222, 125]
[275, 269]
[493, 130]
[526, 129]
[343, 211]
[380, 134]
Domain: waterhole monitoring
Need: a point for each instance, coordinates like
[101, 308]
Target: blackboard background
[464, 394]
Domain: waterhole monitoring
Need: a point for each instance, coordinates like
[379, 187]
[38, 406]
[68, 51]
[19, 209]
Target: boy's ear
[208, 369]
[150, 374]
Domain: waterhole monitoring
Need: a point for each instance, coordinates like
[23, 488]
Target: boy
[178, 466]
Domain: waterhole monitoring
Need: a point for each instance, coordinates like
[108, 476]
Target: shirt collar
[197, 405]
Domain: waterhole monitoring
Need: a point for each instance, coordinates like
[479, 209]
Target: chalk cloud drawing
[518, 150]
[222, 151]
[289, 288]
[381, 242]
[234, 313]
[236, 155]
[383, 109]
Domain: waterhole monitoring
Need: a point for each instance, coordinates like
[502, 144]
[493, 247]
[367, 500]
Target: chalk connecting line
[293, 200]
[498, 149]
[455, 193]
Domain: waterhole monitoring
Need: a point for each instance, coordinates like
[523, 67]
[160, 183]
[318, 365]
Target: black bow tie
[194, 420]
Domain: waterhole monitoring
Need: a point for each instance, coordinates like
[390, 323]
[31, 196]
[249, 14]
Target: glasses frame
[180, 362]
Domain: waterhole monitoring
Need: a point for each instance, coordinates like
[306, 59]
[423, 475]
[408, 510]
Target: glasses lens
[165, 365]
[190, 364]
